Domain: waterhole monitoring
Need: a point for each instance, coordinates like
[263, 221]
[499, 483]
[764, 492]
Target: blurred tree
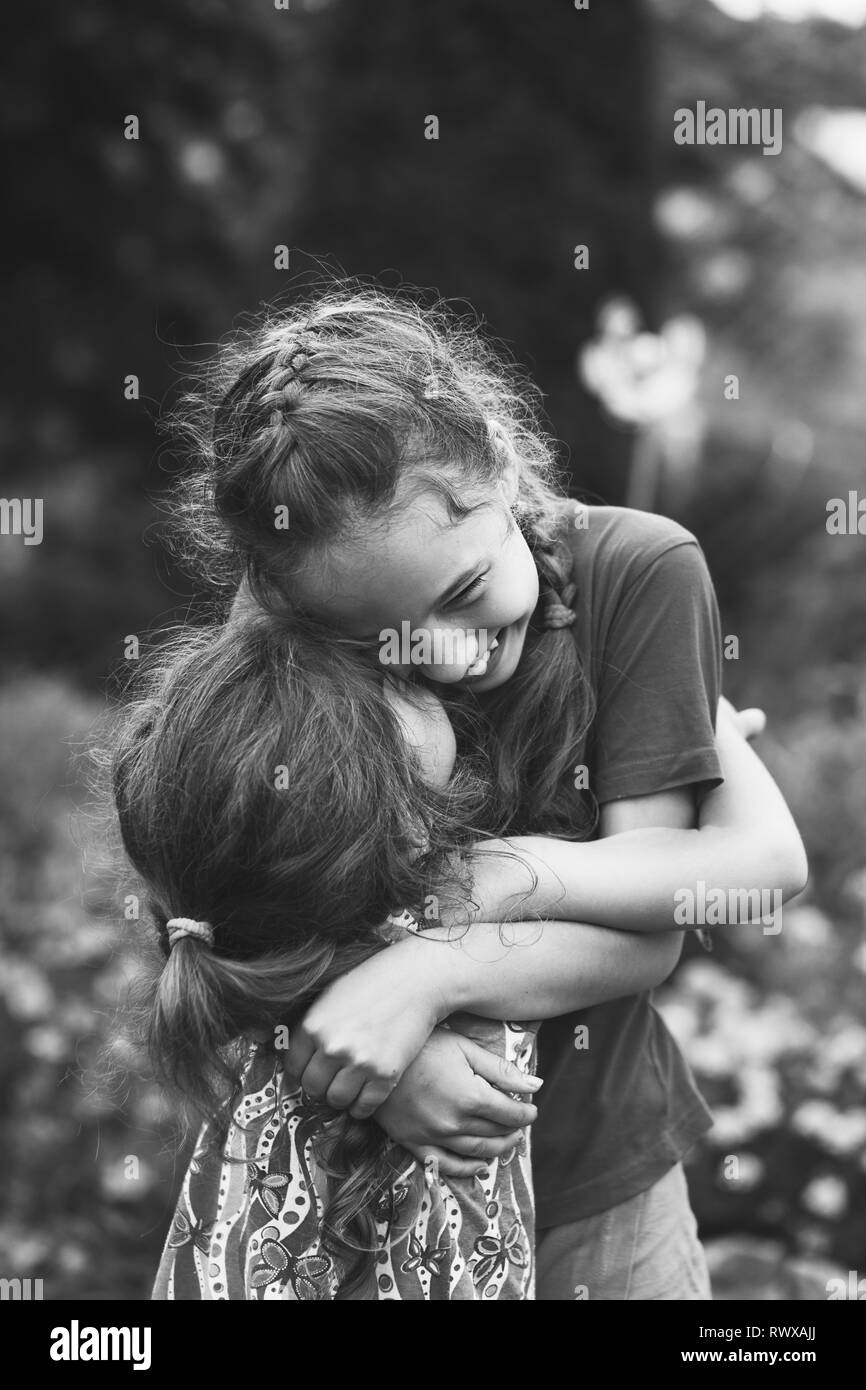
[542, 146]
[121, 249]
[259, 127]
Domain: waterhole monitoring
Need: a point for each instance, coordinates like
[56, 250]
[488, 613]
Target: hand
[749, 723]
[450, 1105]
[363, 1031]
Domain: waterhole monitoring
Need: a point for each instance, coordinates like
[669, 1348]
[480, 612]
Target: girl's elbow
[794, 869]
[784, 866]
[666, 947]
[780, 865]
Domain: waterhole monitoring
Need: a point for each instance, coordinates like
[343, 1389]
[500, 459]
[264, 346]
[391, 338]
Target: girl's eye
[471, 591]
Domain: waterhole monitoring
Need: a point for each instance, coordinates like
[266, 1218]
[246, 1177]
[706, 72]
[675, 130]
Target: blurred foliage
[261, 127]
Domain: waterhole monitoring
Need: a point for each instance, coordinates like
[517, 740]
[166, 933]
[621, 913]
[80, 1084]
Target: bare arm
[746, 839]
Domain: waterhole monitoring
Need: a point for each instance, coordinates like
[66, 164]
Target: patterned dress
[247, 1222]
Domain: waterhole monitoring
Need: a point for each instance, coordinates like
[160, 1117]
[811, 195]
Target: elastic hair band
[186, 926]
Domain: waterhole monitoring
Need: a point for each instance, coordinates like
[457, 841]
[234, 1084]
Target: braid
[558, 590]
[285, 385]
[533, 776]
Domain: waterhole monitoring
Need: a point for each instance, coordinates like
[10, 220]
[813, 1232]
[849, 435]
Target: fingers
[345, 1088]
[483, 1147]
[316, 1078]
[491, 1104]
[300, 1053]
[351, 1090]
[485, 1129]
[372, 1095]
[505, 1075]
[333, 1079]
[450, 1165]
[751, 722]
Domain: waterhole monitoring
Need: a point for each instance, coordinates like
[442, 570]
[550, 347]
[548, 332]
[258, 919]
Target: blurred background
[303, 127]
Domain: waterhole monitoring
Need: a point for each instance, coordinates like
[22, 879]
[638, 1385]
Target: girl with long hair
[374, 465]
[289, 812]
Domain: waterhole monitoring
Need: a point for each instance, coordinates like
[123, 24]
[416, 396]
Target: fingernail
[535, 1081]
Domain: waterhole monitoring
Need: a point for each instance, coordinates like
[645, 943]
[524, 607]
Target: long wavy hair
[263, 784]
[301, 427]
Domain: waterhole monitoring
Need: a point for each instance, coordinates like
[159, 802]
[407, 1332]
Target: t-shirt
[619, 1106]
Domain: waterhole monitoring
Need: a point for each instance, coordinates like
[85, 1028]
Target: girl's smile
[445, 578]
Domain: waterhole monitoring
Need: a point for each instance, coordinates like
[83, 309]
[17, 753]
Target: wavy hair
[263, 784]
[301, 427]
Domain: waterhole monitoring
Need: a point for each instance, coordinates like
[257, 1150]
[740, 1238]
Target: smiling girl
[278, 798]
[368, 463]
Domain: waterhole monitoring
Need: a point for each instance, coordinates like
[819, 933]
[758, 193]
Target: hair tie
[186, 926]
[555, 607]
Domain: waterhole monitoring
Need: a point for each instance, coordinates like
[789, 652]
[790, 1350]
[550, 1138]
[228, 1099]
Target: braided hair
[304, 425]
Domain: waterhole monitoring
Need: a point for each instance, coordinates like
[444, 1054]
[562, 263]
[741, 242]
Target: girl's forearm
[746, 840]
[528, 970]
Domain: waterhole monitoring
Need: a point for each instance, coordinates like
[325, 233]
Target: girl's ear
[509, 479]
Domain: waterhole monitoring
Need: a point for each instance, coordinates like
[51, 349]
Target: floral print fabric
[247, 1221]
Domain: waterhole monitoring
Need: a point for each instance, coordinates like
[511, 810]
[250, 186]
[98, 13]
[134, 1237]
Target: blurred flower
[808, 926]
[25, 1252]
[838, 139]
[825, 1196]
[685, 213]
[48, 1043]
[751, 181]
[709, 1056]
[681, 1017]
[26, 990]
[72, 1259]
[151, 1108]
[650, 381]
[731, 1125]
[840, 1132]
[117, 1186]
[750, 1170]
[642, 377]
[846, 1045]
[725, 274]
[711, 982]
[201, 161]
[762, 1100]
[849, 12]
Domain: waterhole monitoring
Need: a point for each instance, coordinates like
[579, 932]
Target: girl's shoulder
[624, 527]
[619, 540]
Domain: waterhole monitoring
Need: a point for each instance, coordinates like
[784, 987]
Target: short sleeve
[658, 681]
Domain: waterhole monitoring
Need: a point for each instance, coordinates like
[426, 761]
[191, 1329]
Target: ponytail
[200, 1000]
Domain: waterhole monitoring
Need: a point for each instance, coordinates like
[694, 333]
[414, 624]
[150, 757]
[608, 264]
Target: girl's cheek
[515, 596]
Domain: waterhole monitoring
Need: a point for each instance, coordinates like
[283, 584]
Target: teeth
[479, 666]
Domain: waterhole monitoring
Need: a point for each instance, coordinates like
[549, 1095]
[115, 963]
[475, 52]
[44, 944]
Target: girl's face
[429, 581]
